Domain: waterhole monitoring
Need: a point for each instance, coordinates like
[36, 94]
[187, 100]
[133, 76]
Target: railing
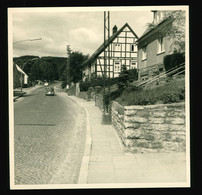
[151, 71]
[172, 72]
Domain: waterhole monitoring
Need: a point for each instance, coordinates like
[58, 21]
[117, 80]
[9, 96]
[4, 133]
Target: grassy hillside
[172, 91]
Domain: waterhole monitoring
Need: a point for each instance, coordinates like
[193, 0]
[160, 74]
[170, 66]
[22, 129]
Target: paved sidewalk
[105, 160]
[24, 91]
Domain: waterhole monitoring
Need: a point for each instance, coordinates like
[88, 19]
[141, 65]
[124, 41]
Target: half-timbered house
[118, 50]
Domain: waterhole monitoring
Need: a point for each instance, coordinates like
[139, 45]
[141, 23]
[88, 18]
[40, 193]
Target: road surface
[49, 138]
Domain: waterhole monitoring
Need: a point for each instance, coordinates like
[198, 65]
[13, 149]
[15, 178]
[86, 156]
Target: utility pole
[106, 54]
[68, 65]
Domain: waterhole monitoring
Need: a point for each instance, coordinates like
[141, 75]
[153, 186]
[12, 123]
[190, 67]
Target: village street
[49, 137]
[62, 140]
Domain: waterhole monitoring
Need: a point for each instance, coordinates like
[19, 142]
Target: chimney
[114, 29]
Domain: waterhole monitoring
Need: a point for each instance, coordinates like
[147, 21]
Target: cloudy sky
[82, 29]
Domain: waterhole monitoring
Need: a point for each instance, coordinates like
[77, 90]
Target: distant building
[122, 51]
[17, 75]
[153, 45]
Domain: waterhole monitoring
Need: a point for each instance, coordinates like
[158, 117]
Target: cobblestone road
[49, 136]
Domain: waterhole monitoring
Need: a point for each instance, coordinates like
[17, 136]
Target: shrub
[173, 91]
[85, 85]
[126, 77]
[72, 90]
[97, 81]
[63, 85]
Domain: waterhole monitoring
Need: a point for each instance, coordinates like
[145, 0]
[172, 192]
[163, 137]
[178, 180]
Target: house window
[133, 65]
[132, 47]
[117, 66]
[161, 45]
[117, 47]
[144, 53]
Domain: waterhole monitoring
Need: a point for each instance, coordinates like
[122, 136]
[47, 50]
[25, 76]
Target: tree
[177, 30]
[44, 68]
[76, 60]
[36, 72]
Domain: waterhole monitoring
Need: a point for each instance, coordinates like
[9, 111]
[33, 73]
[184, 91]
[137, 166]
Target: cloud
[83, 31]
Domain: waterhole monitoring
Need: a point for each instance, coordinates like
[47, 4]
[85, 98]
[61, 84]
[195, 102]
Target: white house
[25, 77]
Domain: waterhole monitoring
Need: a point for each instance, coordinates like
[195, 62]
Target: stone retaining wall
[151, 128]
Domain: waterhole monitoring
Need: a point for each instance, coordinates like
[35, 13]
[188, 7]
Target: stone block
[130, 112]
[143, 113]
[176, 121]
[146, 126]
[157, 106]
[128, 142]
[174, 113]
[180, 133]
[139, 119]
[174, 127]
[146, 150]
[158, 114]
[170, 146]
[166, 136]
[132, 125]
[132, 133]
[156, 120]
[160, 127]
[135, 119]
[149, 136]
[180, 105]
[120, 116]
[133, 107]
[157, 145]
[178, 138]
[115, 112]
[143, 143]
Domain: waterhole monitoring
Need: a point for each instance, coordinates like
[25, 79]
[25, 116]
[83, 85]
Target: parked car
[50, 91]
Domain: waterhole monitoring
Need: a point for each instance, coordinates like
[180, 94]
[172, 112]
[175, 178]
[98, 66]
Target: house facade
[120, 49]
[153, 45]
[16, 77]
[20, 74]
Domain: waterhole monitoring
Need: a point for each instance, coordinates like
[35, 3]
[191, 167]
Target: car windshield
[49, 89]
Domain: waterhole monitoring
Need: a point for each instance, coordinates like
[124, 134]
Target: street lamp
[27, 40]
[27, 60]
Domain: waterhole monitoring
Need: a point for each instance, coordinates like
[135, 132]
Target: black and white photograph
[99, 97]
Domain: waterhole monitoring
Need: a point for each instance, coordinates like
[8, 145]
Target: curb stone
[83, 174]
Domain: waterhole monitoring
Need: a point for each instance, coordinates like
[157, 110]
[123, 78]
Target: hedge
[173, 60]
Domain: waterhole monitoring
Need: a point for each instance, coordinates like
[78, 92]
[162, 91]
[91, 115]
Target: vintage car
[50, 91]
